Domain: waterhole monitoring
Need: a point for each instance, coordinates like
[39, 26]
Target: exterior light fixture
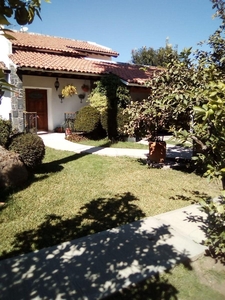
[1, 94]
[57, 84]
[81, 97]
[61, 97]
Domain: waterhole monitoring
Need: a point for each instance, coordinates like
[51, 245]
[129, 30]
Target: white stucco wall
[5, 50]
[56, 109]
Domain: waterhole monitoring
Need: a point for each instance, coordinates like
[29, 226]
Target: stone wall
[17, 100]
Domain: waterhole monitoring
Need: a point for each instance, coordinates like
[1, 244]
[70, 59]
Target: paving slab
[96, 266]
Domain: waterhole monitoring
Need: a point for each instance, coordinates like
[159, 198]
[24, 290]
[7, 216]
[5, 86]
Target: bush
[75, 138]
[99, 101]
[215, 227]
[12, 170]
[30, 147]
[121, 120]
[5, 130]
[87, 120]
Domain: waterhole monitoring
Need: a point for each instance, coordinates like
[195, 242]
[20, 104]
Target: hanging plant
[85, 87]
[69, 90]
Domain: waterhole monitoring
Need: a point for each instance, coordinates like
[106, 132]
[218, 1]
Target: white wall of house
[56, 109]
[5, 50]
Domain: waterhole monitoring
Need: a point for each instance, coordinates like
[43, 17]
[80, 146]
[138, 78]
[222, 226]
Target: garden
[48, 196]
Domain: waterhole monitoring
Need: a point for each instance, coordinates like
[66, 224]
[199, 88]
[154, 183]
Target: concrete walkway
[97, 266]
[58, 141]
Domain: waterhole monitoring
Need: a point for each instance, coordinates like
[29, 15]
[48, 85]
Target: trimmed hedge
[30, 148]
[87, 120]
[5, 131]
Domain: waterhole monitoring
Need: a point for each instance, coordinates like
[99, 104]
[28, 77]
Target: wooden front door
[36, 101]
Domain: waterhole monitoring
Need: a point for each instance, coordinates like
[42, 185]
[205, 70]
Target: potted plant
[69, 126]
[68, 91]
[85, 88]
[59, 129]
[147, 120]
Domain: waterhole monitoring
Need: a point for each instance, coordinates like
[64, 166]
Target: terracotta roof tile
[52, 62]
[51, 43]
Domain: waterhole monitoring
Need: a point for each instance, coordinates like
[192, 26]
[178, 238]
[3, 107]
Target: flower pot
[59, 129]
[68, 131]
[157, 151]
[85, 88]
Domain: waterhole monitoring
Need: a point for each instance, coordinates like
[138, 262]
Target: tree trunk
[223, 182]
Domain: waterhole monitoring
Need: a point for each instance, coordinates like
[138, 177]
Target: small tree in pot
[147, 120]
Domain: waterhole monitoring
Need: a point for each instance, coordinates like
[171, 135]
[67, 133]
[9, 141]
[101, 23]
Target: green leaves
[23, 11]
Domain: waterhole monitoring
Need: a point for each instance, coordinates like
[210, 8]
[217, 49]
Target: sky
[123, 25]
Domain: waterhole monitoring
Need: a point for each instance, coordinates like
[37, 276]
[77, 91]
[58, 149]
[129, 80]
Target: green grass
[107, 143]
[73, 195]
[182, 282]
[131, 145]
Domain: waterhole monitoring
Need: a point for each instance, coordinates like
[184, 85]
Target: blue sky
[124, 25]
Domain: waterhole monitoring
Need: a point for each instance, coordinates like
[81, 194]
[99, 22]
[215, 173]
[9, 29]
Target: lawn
[194, 281]
[73, 195]
[129, 145]
[107, 143]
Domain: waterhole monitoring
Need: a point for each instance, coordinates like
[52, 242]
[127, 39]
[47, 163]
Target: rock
[12, 170]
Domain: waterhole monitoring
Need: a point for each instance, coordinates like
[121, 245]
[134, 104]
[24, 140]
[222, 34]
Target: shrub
[99, 101]
[87, 120]
[75, 138]
[5, 130]
[12, 170]
[121, 120]
[215, 228]
[30, 147]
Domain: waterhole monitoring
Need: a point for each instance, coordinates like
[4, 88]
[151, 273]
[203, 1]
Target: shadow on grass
[56, 165]
[98, 215]
[196, 194]
[95, 266]
[45, 169]
[156, 288]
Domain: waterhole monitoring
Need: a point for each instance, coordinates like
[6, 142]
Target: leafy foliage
[151, 57]
[98, 100]
[30, 147]
[5, 131]
[23, 11]
[76, 138]
[121, 121]
[168, 102]
[109, 95]
[209, 129]
[215, 231]
[69, 90]
[87, 120]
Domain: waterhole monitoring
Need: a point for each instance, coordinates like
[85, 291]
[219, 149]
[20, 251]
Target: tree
[150, 57]
[109, 96]
[23, 11]
[195, 89]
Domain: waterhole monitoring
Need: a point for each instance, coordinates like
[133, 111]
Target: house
[40, 66]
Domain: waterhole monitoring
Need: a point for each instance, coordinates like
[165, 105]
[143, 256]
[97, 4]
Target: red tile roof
[53, 62]
[57, 44]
